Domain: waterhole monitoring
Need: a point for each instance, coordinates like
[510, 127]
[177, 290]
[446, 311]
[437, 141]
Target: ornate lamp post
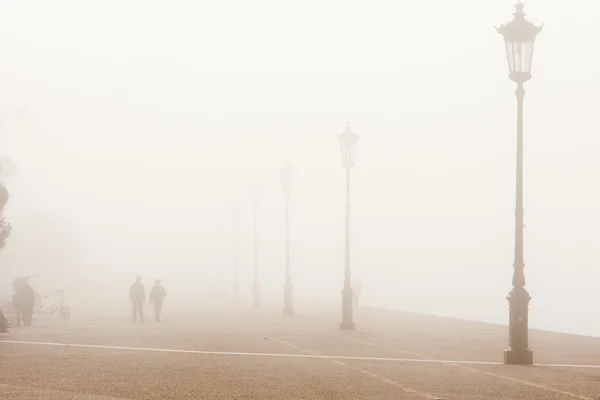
[348, 141]
[256, 287]
[519, 36]
[236, 246]
[287, 173]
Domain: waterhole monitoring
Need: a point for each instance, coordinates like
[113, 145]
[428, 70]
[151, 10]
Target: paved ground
[259, 355]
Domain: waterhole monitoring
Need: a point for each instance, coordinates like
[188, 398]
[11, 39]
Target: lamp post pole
[348, 141]
[256, 287]
[286, 178]
[519, 36]
[347, 320]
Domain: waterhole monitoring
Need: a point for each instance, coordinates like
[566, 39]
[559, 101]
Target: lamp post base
[288, 312]
[518, 357]
[288, 309]
[347, 320]
[518, 352]
[347, 326]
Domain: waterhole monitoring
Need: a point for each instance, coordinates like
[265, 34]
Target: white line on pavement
[233, 353]
[399, 385]
[289, 355]
[463, 366]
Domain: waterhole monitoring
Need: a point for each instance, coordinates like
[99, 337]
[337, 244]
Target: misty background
[136, 125]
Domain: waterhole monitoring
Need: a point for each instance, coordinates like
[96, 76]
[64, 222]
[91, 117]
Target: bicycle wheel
[65, 313]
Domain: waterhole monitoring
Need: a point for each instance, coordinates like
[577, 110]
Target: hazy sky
[136, 124]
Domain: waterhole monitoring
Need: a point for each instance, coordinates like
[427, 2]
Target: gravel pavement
[260, 355]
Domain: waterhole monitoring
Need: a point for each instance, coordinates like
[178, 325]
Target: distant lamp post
[236, 247]
[519, 36]
[348, 140]
[256, 287]
[287, 174]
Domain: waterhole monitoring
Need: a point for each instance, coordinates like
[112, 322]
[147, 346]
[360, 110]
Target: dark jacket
[26, 296]
[3, 322]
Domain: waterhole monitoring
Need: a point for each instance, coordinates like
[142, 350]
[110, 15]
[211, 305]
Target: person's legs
[27, 315]
[134, 311]
[3, 323]
[140, 307]
[18, 310]
[157, 310]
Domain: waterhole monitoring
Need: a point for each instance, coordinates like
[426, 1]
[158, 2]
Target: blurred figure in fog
[3, 323]
[26, 298]
[157, 295]
[16, 283]
[357, 289]
[137, 295]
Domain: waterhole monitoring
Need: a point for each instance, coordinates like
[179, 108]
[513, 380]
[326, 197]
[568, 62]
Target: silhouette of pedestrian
[17, 301]
[157, 295]
[3, 323]
[137, 295]
[26, 298]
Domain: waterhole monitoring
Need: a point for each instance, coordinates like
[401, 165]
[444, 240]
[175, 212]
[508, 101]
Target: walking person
[137, 295]
[26, 298]
[3, 323]
[16, 283]
[157, 295]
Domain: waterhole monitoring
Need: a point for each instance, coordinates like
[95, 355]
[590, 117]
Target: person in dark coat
[3, 323]
[26, 298]
[17, 301]
[157, 295]
[137, 295]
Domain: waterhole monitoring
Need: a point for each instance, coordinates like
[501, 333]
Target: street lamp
[519, 36]
[287, 173]
[236, 245]
[348, 141]
[256, 287]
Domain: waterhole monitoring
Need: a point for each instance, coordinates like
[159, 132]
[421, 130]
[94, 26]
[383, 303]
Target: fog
[136, 125]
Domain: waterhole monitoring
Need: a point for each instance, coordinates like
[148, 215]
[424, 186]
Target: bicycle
[58, 305]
